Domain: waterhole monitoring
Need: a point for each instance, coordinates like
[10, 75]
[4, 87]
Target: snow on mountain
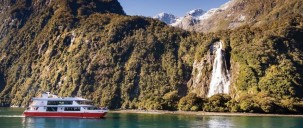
[166, 17]
[178, 21]
[193, 18]
[212, 11]
[208, 14]
[190, 18]
[196, 13]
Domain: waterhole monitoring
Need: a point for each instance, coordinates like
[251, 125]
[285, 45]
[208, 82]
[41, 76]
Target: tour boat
[50, 105]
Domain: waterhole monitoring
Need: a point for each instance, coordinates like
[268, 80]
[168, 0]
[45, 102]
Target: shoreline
[195, 113]
[202, 113]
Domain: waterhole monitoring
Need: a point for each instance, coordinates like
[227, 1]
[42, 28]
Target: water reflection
[124, 120]
[39, 122]
[220, 122]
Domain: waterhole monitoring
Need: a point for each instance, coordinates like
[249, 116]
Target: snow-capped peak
[200, 20]
[166, 17]
[196, 13]
[190, 17]
[193, 17]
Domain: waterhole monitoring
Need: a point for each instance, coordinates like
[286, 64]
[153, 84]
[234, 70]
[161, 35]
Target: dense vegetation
[140, 63]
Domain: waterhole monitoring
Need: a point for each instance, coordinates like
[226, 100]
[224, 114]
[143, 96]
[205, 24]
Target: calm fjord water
[12, 118]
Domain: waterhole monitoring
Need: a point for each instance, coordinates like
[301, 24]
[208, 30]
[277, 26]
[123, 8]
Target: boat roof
[84, 105]
[51, 97]
[61, 99]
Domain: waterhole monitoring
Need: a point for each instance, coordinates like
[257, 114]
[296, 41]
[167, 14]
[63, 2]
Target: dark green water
[12, 118]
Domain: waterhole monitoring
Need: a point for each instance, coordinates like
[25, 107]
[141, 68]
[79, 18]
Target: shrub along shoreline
[200, 113]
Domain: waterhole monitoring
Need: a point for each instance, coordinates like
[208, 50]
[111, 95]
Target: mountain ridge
[191, 17]
[236, 13]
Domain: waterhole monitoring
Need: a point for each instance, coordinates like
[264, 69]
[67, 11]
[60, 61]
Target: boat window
[72, 109]
[51, 109]
[93, 108]
[84, 102]
[59, 102]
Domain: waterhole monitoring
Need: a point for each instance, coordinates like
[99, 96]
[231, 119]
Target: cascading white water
[220, 79]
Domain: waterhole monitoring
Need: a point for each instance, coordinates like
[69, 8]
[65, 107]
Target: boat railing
[34, 103]
[103, 108]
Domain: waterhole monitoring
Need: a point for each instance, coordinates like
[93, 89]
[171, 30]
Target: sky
[179, 8]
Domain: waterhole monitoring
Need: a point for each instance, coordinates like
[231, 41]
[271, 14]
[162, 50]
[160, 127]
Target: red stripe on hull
[61, 114]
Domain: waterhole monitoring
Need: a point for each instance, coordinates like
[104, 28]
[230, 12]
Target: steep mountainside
[249, 12]
[236, 13]
[101, 54]
[92, 49]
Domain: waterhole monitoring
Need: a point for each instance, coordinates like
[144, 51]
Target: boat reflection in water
[42, 122]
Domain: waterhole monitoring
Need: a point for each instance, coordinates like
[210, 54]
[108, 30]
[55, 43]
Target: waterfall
[220, 78]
